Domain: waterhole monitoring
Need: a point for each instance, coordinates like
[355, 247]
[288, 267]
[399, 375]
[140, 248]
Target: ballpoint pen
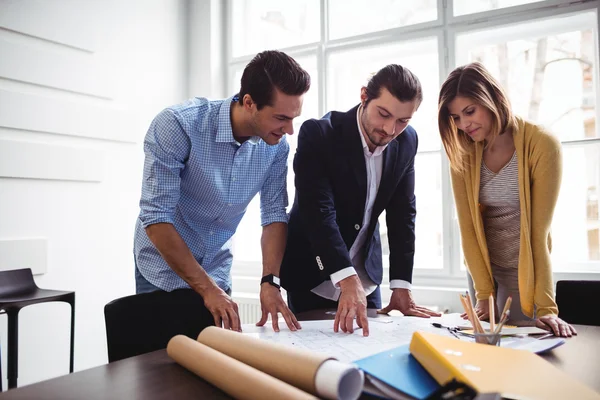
[547, 335]
[451, 330]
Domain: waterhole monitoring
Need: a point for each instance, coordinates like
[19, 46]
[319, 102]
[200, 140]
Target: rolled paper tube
[312, 372]
[231, 376]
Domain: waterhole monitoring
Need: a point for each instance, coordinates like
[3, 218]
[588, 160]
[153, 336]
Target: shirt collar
[379, 149]
[224, 129]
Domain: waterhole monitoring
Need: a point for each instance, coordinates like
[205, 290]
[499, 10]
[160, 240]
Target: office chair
[578, 302]
[18, 290]
[145, 322]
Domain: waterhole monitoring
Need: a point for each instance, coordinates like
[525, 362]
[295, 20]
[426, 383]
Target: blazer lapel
[355, 153]
[388, 177]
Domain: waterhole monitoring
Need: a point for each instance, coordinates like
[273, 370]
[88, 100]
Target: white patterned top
[501, 213]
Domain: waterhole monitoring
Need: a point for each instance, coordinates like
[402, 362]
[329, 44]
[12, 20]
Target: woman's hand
[556, 325]
[482, 309]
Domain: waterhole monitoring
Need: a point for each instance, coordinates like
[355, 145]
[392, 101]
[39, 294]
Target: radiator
[250, 312]
[249, 309]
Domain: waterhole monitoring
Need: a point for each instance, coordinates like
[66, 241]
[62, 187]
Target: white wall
[80, 82]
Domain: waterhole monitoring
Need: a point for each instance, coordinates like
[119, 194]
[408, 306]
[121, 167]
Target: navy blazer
[329, 206]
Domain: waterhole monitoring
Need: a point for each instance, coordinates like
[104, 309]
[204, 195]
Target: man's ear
[363, 95]
[248, 102]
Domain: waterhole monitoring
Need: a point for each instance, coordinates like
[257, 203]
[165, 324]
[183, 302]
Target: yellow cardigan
[540, 170]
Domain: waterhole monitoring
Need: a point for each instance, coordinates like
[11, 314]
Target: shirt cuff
[400, 284]
[156, 218]
[268, 219]
[336, 277]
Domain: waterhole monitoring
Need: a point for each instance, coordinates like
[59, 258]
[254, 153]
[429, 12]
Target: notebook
[397, 374]
[514, 373]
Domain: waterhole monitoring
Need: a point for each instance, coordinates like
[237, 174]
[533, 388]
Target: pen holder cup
[488, 338]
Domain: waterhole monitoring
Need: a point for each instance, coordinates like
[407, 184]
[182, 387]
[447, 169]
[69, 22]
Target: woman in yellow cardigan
[506, 175]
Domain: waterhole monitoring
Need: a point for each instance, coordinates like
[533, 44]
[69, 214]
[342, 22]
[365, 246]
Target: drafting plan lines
[384, 334]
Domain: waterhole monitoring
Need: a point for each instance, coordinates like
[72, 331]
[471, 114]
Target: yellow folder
[515, 374]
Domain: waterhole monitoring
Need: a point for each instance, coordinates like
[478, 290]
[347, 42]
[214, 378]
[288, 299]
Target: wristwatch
[271, 280]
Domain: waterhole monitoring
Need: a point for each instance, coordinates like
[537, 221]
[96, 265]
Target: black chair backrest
[16, 281]
[146, 322]
[579, 301]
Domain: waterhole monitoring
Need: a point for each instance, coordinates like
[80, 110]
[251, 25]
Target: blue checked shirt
[200, 179]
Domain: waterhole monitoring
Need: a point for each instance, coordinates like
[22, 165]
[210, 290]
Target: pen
[547, 335]
[492, 312]
[451, 330]
[505, 316]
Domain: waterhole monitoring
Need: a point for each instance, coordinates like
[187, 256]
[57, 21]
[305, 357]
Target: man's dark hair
[399, 81]
[272, 69]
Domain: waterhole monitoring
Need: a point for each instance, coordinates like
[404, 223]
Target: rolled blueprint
[312, 372]
[231, 376]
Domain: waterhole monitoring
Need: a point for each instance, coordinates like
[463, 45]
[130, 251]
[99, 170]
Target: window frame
[446, 29]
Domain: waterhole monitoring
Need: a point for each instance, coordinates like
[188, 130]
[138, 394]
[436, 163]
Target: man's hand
[556, 325]
[271, 303]
[352, 303]
[223, 308]
[482, 309]
[402, 301]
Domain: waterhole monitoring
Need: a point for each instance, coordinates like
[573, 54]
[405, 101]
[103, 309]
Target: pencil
[471, 313]
[506, 306]
[475, 317]
[467, 311]
[492, 314]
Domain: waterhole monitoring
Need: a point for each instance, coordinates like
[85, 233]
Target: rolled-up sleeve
[273, 194]
[166, 149]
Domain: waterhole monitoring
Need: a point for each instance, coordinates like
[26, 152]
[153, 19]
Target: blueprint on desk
[385, 333]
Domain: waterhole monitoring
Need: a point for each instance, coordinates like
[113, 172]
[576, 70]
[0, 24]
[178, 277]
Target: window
[350, 70]
[544, 52]
[576, 223]
[258, 25]
[248, 250]
[462, 7]
[356, 17]
[548, 69]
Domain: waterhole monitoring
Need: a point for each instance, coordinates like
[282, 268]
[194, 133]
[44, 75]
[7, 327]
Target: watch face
[276, 280]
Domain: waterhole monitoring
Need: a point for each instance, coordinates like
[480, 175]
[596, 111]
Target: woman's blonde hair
[475, 82]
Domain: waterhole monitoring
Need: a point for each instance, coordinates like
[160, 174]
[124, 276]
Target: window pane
[548, 71]
[249, 230]
[428, 189]
[310, 109]
[576, 221]
[428, 227]
[576, 225]
[355, 17]
[348, 71]
[462, 7]
[259, 25]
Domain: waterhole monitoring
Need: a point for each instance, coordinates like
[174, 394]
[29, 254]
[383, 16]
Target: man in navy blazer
[350, 167]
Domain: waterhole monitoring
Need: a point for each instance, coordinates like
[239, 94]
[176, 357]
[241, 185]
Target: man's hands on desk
[226, 314]
[353, 304]
[222, 307]
[402, 301]
[271, 304]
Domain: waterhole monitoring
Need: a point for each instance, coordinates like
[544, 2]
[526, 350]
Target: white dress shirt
[331, 289]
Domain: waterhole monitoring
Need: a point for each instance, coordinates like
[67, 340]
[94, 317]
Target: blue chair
[18, 290]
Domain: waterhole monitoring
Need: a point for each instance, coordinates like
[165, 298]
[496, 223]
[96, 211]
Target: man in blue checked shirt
[205, 161]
